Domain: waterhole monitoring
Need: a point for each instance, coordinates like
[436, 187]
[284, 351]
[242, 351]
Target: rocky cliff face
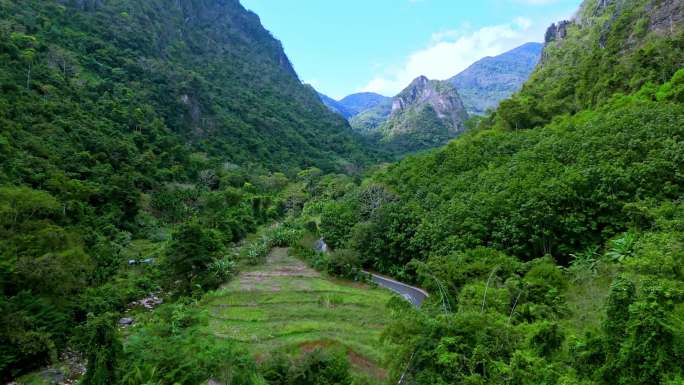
[557, 31]
[666, 16]
[442, 98]
[425, 114]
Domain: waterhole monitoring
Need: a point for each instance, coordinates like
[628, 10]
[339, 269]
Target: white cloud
[449, 52]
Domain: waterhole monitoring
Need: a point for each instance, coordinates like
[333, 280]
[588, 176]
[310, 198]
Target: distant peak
[419, 82]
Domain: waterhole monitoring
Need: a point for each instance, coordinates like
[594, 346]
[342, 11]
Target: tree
[27, 44]
[337, 220]
[643, 339]
[321, 367]
[191, 252]
[98, 339]
[18, 204]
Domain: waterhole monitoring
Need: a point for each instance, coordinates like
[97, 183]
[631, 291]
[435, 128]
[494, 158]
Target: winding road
[410, 293]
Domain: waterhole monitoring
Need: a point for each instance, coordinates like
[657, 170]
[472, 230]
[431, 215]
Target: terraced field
[284, 304]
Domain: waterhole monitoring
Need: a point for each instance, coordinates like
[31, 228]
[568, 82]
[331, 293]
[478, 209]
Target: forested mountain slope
[610, 46]
[205, 73]
[551, 235]
[335, 106]
[138, 131]
[367, 122]
[139, 141]
[363, 101]
[491, 79]
[354, 104]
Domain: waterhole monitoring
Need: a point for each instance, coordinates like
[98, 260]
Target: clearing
[285, 304]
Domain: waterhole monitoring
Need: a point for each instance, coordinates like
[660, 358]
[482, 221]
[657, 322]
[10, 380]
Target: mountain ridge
[335, 105]
[363, 101]
[493, 78]
[481, 86]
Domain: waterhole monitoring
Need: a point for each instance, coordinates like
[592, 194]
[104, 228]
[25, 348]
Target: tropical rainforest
[154, 157]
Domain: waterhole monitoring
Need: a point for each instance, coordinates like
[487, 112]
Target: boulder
[126, 321]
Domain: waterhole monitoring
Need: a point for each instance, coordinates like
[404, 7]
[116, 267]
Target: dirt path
[278, 264]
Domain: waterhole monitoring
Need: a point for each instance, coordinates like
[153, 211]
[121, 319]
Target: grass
[283, 304]
[587, 297]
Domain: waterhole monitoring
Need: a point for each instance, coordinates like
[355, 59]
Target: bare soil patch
[279, 264]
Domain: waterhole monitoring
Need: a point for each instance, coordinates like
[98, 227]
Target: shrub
[319, 367]
[191, 253]
[344, 263]
[285, 236]
[256, 251]
[546, 338]
[318, 261]
[99, 341]
[172, 348]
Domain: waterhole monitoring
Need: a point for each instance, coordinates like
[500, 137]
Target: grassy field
[284, 304]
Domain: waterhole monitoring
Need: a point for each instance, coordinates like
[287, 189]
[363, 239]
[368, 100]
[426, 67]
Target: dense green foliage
[553, 255]
[103, 349]
[157, 75]
[611, 46]
[173, 348]
[135, 153]
[139, 153]
[319, 367]
[518, 236]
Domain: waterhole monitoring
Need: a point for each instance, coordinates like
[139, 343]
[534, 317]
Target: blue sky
[347, 46]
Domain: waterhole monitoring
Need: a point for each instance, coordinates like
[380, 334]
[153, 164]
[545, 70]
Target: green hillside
[611, 46]
[552, 232]
[425, 114]
[139, 130]
[204, 76]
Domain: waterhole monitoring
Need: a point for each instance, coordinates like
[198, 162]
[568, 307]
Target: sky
[346, 46]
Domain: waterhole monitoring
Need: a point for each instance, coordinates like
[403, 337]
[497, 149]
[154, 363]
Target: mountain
[205, 72]
[367, 122]
[491, 79]
[480, 86]
[353, 104]
[425, 114]
[363, 101]
[335, 106]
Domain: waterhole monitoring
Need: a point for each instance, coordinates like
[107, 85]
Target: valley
[177, 206]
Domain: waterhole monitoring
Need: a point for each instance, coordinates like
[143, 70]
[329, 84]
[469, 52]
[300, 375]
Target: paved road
[412, 294]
